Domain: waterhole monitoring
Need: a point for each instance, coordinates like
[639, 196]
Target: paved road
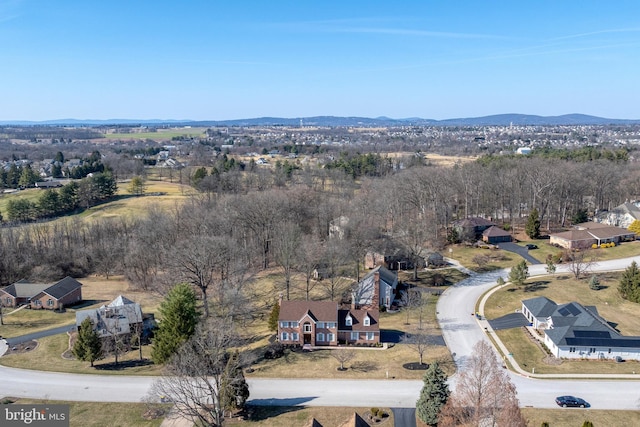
[461, 330]
[456, 309]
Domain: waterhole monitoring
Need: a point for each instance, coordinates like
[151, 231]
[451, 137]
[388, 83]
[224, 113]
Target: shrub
[374, 411]
[594, 246]
[587, 424]
[274, 351]
[544, 424]
[594, 283]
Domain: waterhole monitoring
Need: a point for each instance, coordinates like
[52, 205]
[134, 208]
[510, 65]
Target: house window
[320, 337]
[320, 325]
[307, 327]
[283, 324]
[370, 336]
[572, 349]
[285, 336]
[331, 337]
[592, 350]
[294, 324]
[348, 321]
[367, 321]
[294, 336]
[8, 301]
[354, 336]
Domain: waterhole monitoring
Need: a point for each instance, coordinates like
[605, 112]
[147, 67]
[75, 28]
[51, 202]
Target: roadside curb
[502, 350]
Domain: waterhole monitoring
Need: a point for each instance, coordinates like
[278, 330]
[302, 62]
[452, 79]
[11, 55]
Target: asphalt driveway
[510, 321]
[520, 250]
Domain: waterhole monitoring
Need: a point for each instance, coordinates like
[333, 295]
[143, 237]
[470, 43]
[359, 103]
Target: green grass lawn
[622, 314]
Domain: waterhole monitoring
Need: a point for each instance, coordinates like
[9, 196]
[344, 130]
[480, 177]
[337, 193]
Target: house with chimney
[325, 323]
[377, 290]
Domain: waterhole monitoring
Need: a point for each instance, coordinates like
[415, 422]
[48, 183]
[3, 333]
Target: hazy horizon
[205, 60]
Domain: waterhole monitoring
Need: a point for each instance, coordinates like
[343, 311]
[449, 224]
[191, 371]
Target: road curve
[460, 329]
[455, 313]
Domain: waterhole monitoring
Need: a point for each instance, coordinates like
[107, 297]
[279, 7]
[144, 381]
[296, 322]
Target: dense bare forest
[245, 218]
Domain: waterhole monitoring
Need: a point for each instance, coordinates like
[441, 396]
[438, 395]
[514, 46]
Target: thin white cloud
[9, 10]
[595, 33]
[388, 26]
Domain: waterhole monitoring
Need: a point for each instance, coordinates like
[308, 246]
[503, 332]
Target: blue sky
[215, 60]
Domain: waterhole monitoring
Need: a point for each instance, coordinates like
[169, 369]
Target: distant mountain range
[495, 120]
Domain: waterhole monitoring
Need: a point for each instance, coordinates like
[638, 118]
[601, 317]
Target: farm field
[160, 135]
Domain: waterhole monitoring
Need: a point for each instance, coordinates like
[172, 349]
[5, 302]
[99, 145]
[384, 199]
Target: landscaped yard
[497, 258]
[622, 314]
[623, 250]
[96, 291]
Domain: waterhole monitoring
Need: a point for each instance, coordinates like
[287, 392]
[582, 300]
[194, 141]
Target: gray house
[121, 317]
[574, 331]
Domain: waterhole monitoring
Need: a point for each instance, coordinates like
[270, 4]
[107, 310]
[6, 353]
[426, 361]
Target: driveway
[510, 321]
[34, 336]
[404, 417]
[520, 250]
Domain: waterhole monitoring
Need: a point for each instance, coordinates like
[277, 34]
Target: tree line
[55, 202]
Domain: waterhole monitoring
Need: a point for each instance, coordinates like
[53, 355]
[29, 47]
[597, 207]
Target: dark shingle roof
[323, 311]
[358, 320]
[63, 287]
[540, 306]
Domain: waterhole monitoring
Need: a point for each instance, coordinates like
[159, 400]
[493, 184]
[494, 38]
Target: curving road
[460, 329]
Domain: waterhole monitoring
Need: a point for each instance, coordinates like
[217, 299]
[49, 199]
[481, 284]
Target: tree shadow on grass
[536, 286]
[123, 365]
[263, 409]
[361, 366]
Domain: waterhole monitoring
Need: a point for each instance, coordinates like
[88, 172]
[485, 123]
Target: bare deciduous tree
[198, 376]
[418, 341]
[580, 262]
[484, 394]
[343, 356]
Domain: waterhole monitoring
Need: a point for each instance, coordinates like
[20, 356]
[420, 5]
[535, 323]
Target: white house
[574, 331]
[620, 216]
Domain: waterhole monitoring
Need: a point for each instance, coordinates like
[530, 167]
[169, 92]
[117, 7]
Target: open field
[101, 414]
[450, 161]
[160, 135]
[30, 194]
[622, 314]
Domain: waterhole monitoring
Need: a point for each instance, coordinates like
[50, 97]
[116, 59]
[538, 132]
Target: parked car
[531, 246]
[571, 401]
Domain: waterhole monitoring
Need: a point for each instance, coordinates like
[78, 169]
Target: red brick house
[324, 323]
[66, 292]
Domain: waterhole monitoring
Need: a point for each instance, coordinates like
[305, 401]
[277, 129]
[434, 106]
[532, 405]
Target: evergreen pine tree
[178, 319]
[594, 283]
[88, 346]
[532, 228]
[433, 396]
[629, 287]
[234, 390]
[519, 273]
[273, 317]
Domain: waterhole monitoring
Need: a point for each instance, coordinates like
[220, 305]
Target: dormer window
[367, 321]
[348, 321]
